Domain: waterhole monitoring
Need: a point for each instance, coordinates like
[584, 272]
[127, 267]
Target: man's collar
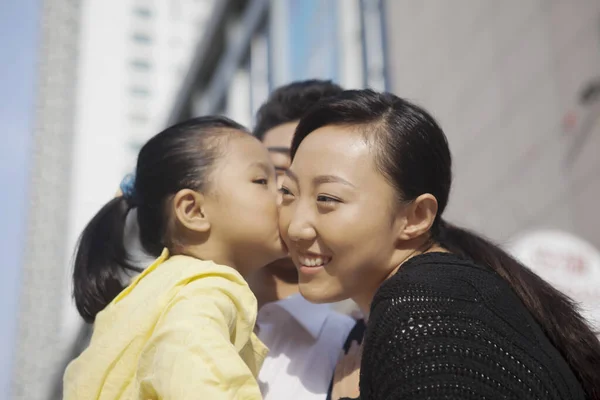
[310, 316]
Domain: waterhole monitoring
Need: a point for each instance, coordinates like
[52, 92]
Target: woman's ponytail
[555, 312]
[101, 262]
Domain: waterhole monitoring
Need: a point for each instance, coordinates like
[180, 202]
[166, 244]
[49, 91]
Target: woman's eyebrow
[283, 150]
[291, 175]
[331, 179]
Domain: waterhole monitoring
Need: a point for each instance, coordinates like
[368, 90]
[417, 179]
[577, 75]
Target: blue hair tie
[127, 187]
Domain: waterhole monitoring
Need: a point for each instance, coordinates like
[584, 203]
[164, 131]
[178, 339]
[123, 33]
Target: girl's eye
[261, 181]
[327, 199]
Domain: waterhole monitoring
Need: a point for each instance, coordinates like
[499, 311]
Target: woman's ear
[419, 216]
[190, 212]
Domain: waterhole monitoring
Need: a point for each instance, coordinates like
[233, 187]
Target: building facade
[38, 336]
[514, 84]
[251, 47]
[507, 80]
[108, 74]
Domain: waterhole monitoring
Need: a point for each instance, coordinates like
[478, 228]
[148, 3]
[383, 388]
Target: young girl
[206, 202]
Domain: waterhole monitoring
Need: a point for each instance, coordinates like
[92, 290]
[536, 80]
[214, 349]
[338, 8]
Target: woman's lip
[308, 270]
[313, 261]
[311, 254]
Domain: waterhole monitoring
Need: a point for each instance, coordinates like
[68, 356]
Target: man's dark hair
[289, 103]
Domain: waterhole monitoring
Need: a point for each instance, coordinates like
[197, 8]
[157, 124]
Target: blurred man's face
[278, 141]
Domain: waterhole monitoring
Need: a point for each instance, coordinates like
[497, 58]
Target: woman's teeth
[314, 261]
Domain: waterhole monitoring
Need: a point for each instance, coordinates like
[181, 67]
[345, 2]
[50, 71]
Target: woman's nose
[300, 229]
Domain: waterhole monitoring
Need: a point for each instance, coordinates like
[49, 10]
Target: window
[135, 146]
[176, 41]
[141, 65]
[140, 91]
[142, 12]
[175, 9]
[138, 118]
[141, 38]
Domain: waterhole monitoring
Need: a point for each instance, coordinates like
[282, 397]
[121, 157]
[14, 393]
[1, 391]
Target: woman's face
[339, 217]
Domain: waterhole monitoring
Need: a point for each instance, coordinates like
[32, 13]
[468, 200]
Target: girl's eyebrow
[262, 165]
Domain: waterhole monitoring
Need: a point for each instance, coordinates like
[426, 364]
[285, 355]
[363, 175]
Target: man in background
[304, 339]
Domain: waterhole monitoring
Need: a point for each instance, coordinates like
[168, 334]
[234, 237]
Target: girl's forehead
[245, 150]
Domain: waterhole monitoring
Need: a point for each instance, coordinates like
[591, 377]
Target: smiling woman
[336, 169]
[450, 314]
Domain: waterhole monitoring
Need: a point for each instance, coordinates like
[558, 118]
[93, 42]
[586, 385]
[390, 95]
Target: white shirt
[304, 341]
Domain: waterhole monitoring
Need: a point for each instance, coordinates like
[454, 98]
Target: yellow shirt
[182, 330]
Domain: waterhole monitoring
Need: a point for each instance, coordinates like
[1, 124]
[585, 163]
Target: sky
[19, 27]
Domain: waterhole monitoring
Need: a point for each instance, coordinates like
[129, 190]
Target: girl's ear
[190, 212]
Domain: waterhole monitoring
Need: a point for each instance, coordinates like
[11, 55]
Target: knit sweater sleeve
[406, 357]
[441, 333]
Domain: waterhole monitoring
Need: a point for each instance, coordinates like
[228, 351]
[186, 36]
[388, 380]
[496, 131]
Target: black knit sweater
[445, 328]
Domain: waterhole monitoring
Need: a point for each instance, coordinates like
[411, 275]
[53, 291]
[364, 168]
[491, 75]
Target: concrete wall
[42, 283]
[503, 77]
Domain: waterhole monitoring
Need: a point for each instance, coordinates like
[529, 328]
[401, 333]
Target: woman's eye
[327, 199]
[261, 181]
[285, 191]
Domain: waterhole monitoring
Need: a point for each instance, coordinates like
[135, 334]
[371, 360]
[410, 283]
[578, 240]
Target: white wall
[500, 76]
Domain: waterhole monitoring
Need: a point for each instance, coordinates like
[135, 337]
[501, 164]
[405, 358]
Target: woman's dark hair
[180, 157]
[411, 152]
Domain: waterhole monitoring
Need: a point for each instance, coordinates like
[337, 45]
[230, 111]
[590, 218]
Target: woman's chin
[319, 294]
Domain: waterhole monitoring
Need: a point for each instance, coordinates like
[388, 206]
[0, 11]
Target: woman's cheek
[283, 222]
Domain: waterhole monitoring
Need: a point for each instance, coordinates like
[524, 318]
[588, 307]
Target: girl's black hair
[412, 153]
[180, 157]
